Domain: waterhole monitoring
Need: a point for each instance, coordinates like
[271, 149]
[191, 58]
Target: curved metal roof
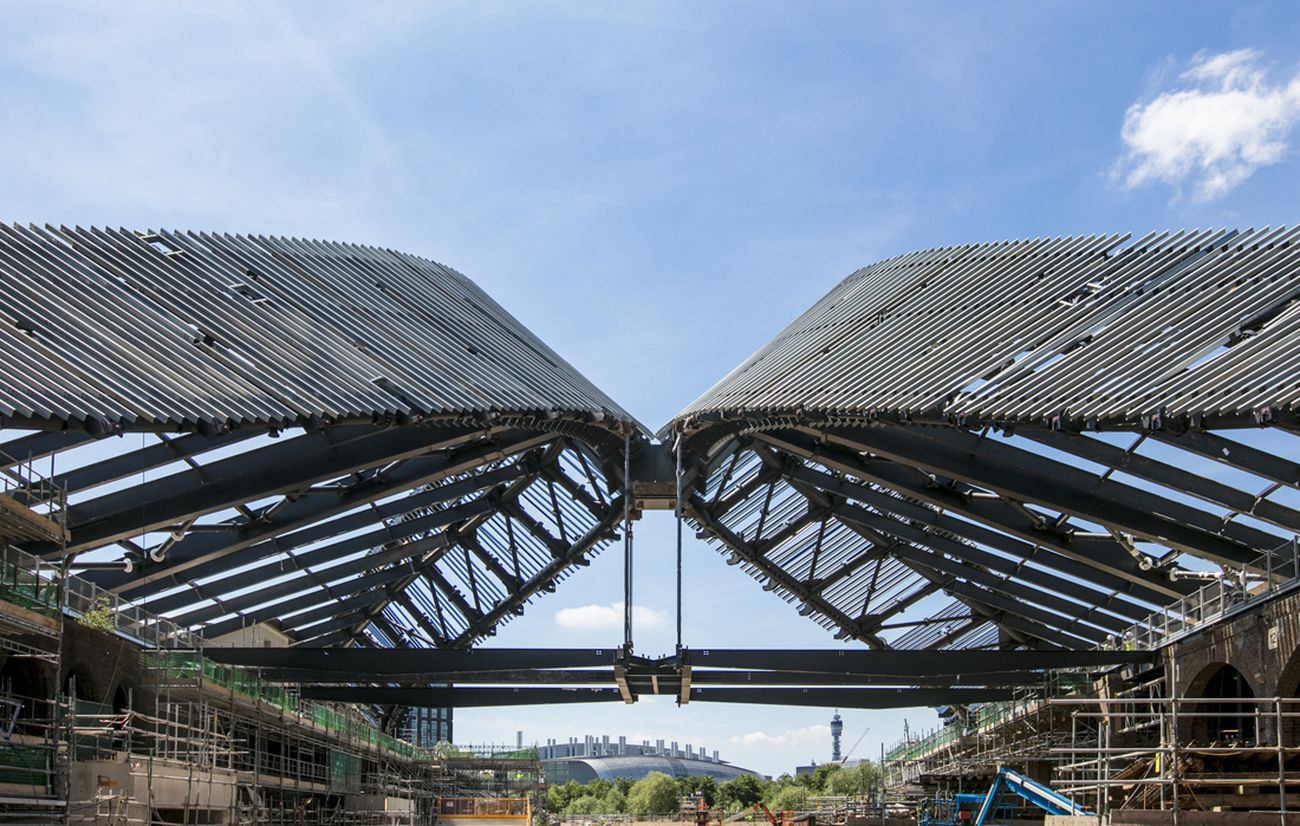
[1090, 329]
[194, 331]
[1035, 443]
[1032, 443]
[635, 767]
[352, 444]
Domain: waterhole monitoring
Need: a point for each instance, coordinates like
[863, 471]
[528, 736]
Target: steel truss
[348, 445]
[1029, 445]
[1033, 444]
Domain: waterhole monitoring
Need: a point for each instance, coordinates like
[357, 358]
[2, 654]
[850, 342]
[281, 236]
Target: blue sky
[655, 189]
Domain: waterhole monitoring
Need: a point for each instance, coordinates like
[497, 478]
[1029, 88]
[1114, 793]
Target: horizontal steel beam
[851, 697]
[963, 663]
[380, 662]
[602, 676]
[461, 697]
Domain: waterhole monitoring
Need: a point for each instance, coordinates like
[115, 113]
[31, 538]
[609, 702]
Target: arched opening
[122, 698]
[78, 679]
[24, 685]
[1231, 718]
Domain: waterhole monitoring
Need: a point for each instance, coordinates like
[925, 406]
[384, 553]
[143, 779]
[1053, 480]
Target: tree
[702, 784]
[744, 791]
[859, 779]
[654, 794]
[614, 802]
[822, 775]
[558, 798]
[585, 805]
[791, 797]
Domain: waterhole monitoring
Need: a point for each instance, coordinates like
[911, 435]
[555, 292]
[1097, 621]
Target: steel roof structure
[357, 445]
[1033, 443]
[1019, 446]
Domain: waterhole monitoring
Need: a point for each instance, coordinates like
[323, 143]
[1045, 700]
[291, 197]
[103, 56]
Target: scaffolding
[1179, 754]
[198, 742]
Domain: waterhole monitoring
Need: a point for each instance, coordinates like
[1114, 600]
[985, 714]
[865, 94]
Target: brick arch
[1220, 722]
[87, 687]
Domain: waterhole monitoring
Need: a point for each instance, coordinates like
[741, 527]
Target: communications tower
[837, 728]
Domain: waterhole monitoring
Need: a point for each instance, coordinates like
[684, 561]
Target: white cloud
[1225, 120]
[792, 737]
[606, 617]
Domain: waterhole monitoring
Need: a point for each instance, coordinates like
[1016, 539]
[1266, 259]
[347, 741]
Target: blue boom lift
[990, 808]
[1008, 780]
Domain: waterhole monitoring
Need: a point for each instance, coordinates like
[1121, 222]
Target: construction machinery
[992, 807]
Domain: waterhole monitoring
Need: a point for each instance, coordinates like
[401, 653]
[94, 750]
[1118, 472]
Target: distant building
[594, 758]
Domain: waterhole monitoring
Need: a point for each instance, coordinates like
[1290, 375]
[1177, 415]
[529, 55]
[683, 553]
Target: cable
[680, 511]
[627, 539]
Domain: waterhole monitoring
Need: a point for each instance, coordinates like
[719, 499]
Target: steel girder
[410, 535]
[856, 679]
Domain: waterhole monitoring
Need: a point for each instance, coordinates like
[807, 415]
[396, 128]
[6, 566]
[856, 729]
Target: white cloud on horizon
[791, 737]
[607, 617]
[1225, 120]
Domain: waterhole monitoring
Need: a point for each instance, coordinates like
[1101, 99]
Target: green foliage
[655, 794]
[623, 784]
[794, 796]
[822, 775]
[741, 792]
[615, 801]
[100, 616]
[599, 797]
[558, 798]
[855, 780]
[704, 785]
[585, 805]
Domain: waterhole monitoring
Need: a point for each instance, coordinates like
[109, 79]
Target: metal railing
[28, 581]
[94, 606]
[1266, 576]
[37, 491]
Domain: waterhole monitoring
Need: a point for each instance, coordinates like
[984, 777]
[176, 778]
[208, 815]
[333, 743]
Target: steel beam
[1104, 555]
[964, 663]
[851, 697]
[1023, 476]
[460, 697]
[381, 662]
[302, 519]
[269, 471]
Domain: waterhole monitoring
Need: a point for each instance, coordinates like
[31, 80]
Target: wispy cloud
[1225, 119]
[606, 617]
[792, 737]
